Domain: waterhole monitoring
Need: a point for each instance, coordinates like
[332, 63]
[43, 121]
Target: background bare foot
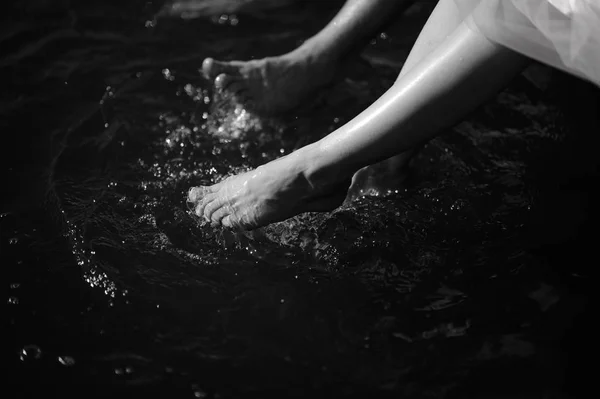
[271, 85]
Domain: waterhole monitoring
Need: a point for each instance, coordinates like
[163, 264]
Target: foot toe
[201, 205]
[232, 221]
[217, 216]
[229, 221]
[212, 68]
[210, 207]
[195, 194]
[207, 68]
[232, 84]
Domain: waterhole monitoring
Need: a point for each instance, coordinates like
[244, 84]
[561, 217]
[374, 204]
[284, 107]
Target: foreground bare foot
[273, 84]
[273, 192]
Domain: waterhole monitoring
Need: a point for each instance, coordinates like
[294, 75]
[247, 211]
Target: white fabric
[562, 33]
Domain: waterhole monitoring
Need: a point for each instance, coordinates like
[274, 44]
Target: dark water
[470, 282]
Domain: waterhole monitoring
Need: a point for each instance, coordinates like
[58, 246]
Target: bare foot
[270, 193]
[273, 84]
[381, 178]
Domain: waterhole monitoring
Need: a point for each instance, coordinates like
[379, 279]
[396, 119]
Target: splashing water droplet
[30, 352]
[66, 360]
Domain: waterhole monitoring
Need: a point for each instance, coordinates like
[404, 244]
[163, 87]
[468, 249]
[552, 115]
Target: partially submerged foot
[273, 192]
[273, 84]
[381, 178]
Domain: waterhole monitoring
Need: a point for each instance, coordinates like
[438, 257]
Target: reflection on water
[436, 290]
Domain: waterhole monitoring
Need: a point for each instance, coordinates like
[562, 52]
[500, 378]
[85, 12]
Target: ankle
[312, 51]
[318, 170]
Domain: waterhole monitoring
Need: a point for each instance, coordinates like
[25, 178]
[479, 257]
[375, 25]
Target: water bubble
[14, 286]
[30, 352]
[66, 360]
[13, 300]
[13, 240]
[189, 89]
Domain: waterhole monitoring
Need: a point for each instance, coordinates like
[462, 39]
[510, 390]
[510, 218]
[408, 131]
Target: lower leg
[356, 21]
[390, 173]
[276, 84]
[459, 75]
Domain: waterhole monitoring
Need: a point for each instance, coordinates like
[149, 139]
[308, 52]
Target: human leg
[460, 74]
[390, 173]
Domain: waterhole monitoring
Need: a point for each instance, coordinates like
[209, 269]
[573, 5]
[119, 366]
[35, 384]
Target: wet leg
[389, 174]
[277, 84]
[457, 76]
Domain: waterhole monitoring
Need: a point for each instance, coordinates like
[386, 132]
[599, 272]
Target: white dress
[562, 33]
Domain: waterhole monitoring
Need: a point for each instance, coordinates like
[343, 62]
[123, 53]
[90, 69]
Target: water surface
[467, 282]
